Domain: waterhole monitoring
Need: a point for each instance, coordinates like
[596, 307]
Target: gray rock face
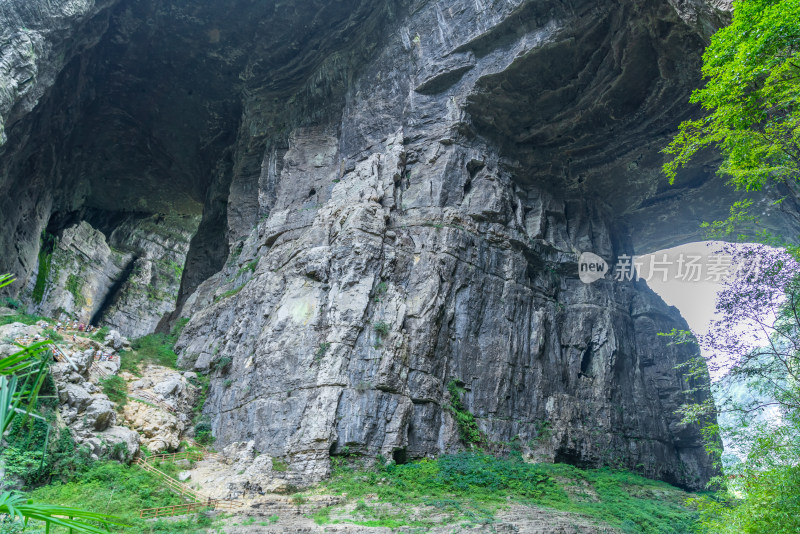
[38, 38]
[127, 281]
[394, 196]
[431, 235]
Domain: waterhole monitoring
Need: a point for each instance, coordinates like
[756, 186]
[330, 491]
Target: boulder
[171, 387]
[118, 434]
[240, 451]
[111, 367]
[115, 340]
[82, 360]
[142, 383]
[100, 413]
[75, 396]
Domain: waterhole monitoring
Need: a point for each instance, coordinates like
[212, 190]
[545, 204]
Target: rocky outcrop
[161, 408]
[79, 273]
[83, 409]
[127, 280]
[431, 234]
[394, 196]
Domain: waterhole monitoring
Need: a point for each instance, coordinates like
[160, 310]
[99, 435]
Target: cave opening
[399, 456]
[586, 361]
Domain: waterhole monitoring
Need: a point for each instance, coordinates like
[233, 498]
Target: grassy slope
[463, 489]
[109, 487]
[470, 488]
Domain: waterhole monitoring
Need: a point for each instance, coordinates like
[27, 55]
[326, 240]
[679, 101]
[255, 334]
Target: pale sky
[695, 299]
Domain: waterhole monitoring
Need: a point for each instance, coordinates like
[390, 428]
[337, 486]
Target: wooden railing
[175, 509]
[146, 396]
[174, 485]
[58, 354]
[175, 456]
[98, 369]
[200, 501]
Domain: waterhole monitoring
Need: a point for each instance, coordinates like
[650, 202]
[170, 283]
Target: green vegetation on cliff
[45, 258]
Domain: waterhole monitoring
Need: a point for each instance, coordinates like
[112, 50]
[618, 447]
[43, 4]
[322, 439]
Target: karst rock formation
[359, 205]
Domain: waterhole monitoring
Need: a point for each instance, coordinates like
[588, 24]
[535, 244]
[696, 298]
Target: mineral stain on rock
[407, 184]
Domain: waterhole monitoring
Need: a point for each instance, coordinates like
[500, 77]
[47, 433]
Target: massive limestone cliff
[392, 199]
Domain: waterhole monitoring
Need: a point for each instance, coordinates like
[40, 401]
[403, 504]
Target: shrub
[13, 303]
[321, 350]
[202, 432]
[221, 364]
[116, 390]
[381, 328]
[22, 456]
[467, 426]
[279, 465]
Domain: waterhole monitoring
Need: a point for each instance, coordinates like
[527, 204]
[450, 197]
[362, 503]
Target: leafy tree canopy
[752, 68]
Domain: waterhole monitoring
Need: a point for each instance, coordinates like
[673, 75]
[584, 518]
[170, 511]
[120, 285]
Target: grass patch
[180, 324]
[116, 390]
[247, 267]
[279, 465]
[151, 349]
[100, 334]
[470, 487]
[113, 488]
[23, 318]
[229, 293]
